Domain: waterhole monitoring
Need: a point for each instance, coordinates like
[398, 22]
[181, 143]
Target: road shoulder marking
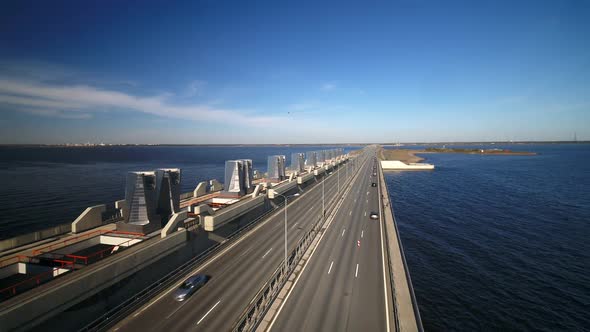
[208, 312]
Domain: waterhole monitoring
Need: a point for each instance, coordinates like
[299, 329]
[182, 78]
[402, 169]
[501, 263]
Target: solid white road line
[266, 253]
[357, 271]
[330, 269]
[208, 312]
[344, 230]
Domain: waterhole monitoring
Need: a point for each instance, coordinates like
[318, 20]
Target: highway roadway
[238, 271]
[344, 286]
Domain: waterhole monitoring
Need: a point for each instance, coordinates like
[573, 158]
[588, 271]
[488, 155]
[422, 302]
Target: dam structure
[295, 248]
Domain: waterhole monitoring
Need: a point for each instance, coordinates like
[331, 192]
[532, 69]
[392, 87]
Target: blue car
[189, 286]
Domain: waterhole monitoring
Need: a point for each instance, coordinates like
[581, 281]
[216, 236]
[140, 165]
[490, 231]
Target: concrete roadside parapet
[200, 190]
[90, 218]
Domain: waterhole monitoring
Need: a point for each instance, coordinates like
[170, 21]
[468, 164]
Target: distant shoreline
[99, 145]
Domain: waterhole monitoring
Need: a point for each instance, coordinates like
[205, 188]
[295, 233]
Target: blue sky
[294, 72]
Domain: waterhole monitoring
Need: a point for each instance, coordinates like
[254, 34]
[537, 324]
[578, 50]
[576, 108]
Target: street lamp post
[286, 202]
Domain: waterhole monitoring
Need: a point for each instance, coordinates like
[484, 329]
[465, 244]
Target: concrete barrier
[284, 187]
[28, 238]
[222, 217]
[90, 218]
[304, 178]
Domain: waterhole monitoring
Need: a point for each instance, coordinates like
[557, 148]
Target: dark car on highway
[189, 286]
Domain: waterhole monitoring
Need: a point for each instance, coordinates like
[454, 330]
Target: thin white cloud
[195, 88]
[58, 114]
[328, 86]
[88, 99]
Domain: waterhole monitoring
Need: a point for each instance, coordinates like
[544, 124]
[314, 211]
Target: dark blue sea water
[46, 186]
[499, 242]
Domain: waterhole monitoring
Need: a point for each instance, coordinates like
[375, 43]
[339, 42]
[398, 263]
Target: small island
[409, 156]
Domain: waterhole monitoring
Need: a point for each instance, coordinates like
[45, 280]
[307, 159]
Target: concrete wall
[284, 187]
[220, 218]
[51, 299]
[304, 178]
[90, 218]
[24, 239]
